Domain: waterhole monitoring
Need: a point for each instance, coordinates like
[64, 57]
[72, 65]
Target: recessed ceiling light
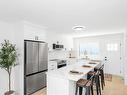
[79, 28]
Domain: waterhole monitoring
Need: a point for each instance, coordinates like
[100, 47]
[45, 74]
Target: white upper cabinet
[32, 31]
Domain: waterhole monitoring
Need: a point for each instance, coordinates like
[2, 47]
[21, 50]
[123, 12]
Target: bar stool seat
[91, 73]
[82, 82]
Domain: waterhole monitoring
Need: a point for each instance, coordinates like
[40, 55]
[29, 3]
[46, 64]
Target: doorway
[112, 53]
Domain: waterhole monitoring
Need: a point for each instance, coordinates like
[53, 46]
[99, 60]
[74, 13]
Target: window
[89, 49]
[112, 47]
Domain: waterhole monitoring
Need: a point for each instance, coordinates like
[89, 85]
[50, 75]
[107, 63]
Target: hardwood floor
[41, 92]
[114, 87]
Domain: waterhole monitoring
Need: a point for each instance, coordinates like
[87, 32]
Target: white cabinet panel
[52, 65]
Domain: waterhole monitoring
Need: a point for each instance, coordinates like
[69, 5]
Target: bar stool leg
[80, 90]
[102, 79]
[92, 89]
[76, 90]
[99, 87]
[96, 83]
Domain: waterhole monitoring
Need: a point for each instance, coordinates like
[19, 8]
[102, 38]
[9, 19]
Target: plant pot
[9, 92]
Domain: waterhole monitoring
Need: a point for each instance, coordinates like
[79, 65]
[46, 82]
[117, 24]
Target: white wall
[19, 69]
[66, 40]
[12, 31]
[6, 32]
[125, 57]
[96, 39]
[32, 30]
[101, 40]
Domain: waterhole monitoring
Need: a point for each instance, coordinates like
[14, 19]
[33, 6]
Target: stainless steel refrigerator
[35, 65]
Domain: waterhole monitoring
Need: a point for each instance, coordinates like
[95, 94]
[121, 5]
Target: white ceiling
[62, 15]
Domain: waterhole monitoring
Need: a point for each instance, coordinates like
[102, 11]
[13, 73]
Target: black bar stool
[96, 80]
[101, 73]
[84, 83]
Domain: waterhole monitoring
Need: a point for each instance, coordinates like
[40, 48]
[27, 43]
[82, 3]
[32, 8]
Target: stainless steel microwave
[57, 46]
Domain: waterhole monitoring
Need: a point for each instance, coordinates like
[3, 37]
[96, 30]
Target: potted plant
[8, 56]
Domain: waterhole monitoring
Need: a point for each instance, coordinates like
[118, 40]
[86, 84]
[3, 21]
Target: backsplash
[58, 54]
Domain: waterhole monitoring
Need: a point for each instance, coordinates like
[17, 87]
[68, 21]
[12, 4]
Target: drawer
[35, 82]
[52, 65]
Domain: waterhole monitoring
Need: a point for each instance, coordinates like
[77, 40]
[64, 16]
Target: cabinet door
[52, 65]
[43, 56]
[31, 57]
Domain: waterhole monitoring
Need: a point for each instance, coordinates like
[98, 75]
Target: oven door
[61, 65]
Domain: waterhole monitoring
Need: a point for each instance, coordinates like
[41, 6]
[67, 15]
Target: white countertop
[65, 71]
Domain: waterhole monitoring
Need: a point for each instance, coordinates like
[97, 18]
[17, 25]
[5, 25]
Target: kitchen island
[62, 82]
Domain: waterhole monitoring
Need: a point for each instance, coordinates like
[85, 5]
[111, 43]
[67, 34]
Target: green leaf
[8, 55]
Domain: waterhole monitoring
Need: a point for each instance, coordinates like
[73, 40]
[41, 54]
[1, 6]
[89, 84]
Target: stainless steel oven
[61, 63]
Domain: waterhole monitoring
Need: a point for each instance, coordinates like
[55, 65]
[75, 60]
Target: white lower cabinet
[52, 65]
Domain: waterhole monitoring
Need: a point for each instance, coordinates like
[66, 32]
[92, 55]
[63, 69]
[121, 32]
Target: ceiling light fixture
[79, 28]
